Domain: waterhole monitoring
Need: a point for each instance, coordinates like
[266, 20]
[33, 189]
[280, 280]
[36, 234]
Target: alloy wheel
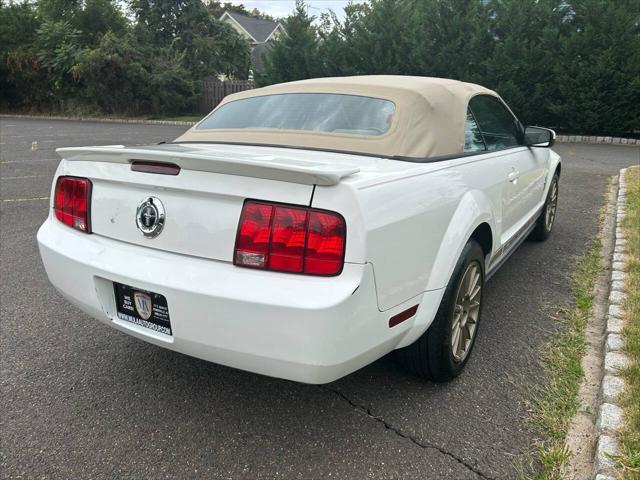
[552, 204]
[466, 312]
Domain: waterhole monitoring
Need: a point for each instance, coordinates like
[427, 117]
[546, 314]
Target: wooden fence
[214, 90]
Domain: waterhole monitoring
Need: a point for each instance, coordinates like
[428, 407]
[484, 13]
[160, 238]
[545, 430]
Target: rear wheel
[442, 351]
[545, 221]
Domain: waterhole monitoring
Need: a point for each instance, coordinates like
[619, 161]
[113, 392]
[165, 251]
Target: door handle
[514, 175]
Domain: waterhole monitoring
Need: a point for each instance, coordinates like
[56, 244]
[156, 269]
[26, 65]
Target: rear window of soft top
[315, 112]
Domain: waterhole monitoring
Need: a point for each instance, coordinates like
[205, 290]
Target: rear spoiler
[269, 166]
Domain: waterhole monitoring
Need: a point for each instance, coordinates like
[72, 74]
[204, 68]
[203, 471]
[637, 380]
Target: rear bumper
[308, 329]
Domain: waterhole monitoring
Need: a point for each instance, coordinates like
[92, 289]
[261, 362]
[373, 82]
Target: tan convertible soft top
[429, 120]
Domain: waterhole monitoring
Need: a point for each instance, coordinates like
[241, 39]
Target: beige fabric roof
[429, 120]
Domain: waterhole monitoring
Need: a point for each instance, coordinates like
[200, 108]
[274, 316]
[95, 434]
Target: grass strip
[629, 462]
[555, 403]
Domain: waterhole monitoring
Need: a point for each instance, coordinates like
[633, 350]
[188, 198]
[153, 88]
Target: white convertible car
[304, 230]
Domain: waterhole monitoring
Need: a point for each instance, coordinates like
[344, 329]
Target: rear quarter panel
[413, 228]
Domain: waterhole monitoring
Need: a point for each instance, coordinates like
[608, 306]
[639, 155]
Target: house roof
[260, 30]
[428, 121]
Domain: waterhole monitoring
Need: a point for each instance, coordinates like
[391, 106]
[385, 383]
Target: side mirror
[539, 137]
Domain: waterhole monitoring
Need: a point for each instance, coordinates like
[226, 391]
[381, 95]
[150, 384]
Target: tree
[222, 51]
[117, 74]
[57, 10]
[22, 82]
[98, 17]
[57, 49]
[217, 8]
[207, 45]
[525, 38]
[294, 55]
[597, 73]
[337, 51]
[569, 64]
[383, 39]
[451, 39]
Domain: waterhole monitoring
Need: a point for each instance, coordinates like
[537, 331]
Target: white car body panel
[257, 164]
[212, 203]
[309, 329]
[406, 226]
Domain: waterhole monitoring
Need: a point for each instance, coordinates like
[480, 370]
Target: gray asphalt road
[80, 400]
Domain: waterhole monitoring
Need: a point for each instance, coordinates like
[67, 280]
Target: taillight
[71, 202]
[290, 239]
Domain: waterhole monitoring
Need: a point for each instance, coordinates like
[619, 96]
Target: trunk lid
[202, 204]
[225, 159]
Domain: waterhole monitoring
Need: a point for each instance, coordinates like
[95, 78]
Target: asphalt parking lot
[81, 400]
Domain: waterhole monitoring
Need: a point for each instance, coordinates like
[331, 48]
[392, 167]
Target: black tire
[431, 356]
[543, 228]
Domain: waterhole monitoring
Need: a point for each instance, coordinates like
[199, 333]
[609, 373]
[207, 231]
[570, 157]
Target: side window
[498, 126]
[473, 141]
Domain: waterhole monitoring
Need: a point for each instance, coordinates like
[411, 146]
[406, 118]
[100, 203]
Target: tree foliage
[570, 64]
[217, 8]
[99, 17]
[206, 45]
[87, 55]
[599, 84]
[294, 56]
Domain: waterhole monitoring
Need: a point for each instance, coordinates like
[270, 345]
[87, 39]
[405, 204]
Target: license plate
[141, 307]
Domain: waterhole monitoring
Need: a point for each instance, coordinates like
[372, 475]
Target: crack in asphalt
[401, 434]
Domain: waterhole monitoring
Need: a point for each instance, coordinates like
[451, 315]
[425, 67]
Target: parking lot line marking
[24, 176]
[24, 199]
[27, 161]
